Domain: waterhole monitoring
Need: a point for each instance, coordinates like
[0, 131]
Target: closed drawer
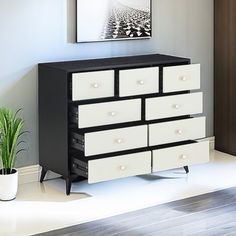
[89, 85]
[138, 81]
[119, 167]
[180, 78]
[108, 113]
[107, 141]
[185, 155]
[172, 106]
[176, 131]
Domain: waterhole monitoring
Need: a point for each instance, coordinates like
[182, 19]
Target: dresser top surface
[116, 62]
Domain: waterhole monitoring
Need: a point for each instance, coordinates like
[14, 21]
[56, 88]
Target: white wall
[34, 31]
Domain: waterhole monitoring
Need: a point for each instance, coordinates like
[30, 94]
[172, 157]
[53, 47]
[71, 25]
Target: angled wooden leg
[186, 169]
[68, 185]
[43, 173]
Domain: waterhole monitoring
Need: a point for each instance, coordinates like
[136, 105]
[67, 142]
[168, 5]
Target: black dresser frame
[54, 96]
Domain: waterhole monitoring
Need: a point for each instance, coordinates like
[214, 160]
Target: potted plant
[10, 130]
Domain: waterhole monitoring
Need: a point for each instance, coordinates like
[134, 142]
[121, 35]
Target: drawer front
[109, 113]
[115, 140]
[180, 78]
[172, 106]
[119, 167]
[185, 155]
[138, 81]
[177, 131]
[89, 85]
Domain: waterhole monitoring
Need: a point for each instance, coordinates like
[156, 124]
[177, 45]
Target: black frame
[120, 39]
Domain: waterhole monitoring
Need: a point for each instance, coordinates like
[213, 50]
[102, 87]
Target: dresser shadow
[157, 177]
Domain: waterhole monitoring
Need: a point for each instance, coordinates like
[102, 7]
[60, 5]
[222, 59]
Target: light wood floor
[205, 215]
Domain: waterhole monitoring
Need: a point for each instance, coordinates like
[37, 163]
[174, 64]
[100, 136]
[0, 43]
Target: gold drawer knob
[140, 82]
[179, 131]
[183, 157]
[123, 168]
[119, 140]
[95, 85]
[176, 106]
[112, 113]
[183, 78]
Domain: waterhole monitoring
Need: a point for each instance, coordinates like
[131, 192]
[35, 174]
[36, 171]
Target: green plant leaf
[11, 127]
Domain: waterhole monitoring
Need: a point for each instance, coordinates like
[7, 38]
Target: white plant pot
[8, 186]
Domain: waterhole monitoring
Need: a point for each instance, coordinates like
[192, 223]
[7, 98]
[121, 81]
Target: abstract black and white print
[99, 20]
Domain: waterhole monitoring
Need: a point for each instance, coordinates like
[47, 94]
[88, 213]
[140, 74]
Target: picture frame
[108, 20]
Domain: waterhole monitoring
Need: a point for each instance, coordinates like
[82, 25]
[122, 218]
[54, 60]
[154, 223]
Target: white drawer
[115, 140]
[109, 113]
[176, 131]
[179, 156]
[138, 81]
[119, 167]
[180, 78]
[88, 85]
[172, 106]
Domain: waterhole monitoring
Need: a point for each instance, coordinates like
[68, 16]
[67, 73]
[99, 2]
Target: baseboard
[32, 173]
[211, 142]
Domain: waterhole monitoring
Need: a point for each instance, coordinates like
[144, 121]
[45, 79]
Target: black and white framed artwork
[99, 20]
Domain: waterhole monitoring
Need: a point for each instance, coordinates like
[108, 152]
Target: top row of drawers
[100, 84]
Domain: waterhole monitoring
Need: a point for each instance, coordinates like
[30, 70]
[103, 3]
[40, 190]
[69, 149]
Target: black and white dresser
[104, 119]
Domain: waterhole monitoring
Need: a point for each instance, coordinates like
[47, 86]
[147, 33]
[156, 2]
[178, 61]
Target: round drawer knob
[113, 113]
[183, 78]
[95, 85]
[119, 140]
[123, 168]
[183, 157]
[179, 131]
[176, 106]
[140, 82]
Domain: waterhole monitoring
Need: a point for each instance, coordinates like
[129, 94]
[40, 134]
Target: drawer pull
[176, 106]
[140, 82]
[123, 168]
[179, 131]
[183, 78]
[112, 113]
[183, 157]
[119, 140]
[95, 85]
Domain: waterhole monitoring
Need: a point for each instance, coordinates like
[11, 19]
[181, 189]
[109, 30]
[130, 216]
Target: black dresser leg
[43, 173]
[68, 186]
[186, 169]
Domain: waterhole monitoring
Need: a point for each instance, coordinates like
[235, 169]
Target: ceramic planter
[8, 185]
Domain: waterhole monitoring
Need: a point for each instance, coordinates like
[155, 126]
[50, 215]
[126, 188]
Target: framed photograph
[99, 20]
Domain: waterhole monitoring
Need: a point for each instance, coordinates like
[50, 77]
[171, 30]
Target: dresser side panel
[53, 120]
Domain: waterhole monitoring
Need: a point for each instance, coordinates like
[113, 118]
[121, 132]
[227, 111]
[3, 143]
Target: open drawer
[106, 113]
[113, 167]
[108, 141]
